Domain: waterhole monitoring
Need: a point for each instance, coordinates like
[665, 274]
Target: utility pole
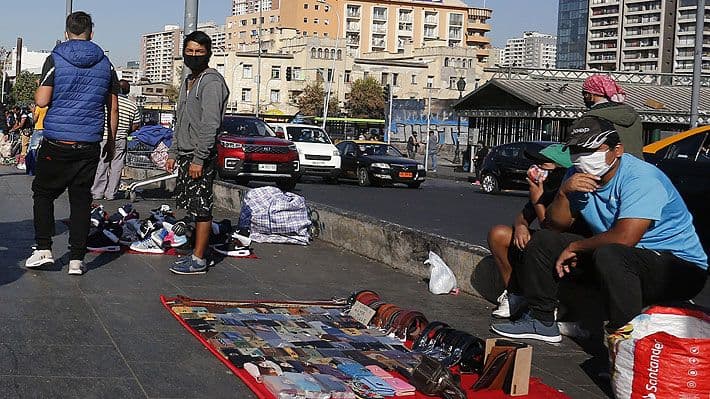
[697, 64]
[332, 73]
[428, 127]
[189, 25]
[389, 115]
[69, 7]
[18, 62]
[258, 63]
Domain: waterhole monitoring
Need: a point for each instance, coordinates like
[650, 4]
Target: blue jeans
[432, 160]
[35, 139]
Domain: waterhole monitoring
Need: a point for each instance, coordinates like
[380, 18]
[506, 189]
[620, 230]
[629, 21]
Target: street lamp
[460, 86]
[334, 55]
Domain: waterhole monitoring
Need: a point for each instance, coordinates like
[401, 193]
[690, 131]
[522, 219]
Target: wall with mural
[410, 115]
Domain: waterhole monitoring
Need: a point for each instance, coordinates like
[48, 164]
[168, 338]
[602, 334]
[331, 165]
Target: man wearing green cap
[506, 243]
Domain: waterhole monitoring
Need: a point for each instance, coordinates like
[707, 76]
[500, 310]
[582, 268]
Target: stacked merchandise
[160, 233]
[324, 350]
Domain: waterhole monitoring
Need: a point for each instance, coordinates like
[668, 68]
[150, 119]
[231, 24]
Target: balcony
[378, 43]
[476, 40]
[379, 16]
[480, 26]
[353, 13]
[405, 18]
[352, 27]
[431, 20]
[379, 29]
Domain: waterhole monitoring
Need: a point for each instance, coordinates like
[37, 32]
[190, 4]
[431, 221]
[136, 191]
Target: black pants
[630, 278]
[60, 167]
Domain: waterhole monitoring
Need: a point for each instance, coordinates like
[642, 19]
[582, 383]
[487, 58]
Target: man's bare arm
[43, 96]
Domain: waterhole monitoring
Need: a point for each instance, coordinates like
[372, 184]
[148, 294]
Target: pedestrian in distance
[605, 99]
[23, 127]
[412, 145]
[108, 173]
[433, 149]
[38, 114]
[200, 109]
[79, 85]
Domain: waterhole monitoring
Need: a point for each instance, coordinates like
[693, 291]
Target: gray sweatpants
[108, 174]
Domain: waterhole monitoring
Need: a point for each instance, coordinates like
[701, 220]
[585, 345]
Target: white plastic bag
[441, 278]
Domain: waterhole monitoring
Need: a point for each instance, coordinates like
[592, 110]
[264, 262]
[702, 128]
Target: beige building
[411, 73]
[366, 25]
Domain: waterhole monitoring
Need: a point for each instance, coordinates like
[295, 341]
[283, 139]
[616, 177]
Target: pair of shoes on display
[236, 245]
[41, 257]
[106, 239]
[528, 327]
[158, 237]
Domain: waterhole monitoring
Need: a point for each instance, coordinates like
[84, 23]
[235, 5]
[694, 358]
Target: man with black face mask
[605, 99]
[200, 109]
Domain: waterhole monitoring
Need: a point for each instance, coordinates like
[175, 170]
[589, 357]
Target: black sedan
[373, 162]
[506, 166]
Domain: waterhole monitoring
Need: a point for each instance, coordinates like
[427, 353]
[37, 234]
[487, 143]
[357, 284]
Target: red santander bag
[666, 356]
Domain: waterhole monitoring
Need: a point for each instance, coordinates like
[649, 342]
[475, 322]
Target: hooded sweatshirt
[199, 117]
[627, 124]
[82, 80]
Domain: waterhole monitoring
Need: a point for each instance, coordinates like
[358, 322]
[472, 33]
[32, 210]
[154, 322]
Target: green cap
[557, 154]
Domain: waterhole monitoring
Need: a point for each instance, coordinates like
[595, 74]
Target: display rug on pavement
[314, 349]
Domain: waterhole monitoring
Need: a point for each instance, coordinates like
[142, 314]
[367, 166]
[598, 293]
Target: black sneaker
[124, 213]
[98, 216]
[148, 226]
[236, 245]
[220, 232]
[105, 240]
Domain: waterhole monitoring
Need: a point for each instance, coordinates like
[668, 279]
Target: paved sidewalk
[106, 335]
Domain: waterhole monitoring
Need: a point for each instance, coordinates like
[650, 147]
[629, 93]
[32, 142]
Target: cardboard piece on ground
[520, 379]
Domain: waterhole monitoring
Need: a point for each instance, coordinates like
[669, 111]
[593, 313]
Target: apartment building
[160, 49]
[643, 35]
[366, 25]
[132, 75]
[572, 34]
[532, 50]
[411, 74]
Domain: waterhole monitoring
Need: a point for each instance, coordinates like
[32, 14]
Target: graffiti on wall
[410, 116]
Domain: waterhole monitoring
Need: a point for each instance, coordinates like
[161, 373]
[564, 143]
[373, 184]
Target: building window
[385, 78]
[414, 79]
[253, 21]
[305, 20]
[305, 6]
[246, 95]
[326, 8]
[315, 21]
[316, 7]
[275, 72]
[394, 79]
[297, 73]
[320, 53]
[313, 53]
[452, 82]
[247, 72]
[346, 77]
[446, 61]
[430, 81]
[365, 74]
[327, 53]
[330, 75]
[275, 96]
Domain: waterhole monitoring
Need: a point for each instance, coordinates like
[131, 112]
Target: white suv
[317, 154]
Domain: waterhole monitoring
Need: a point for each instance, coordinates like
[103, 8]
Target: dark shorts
[195, 195]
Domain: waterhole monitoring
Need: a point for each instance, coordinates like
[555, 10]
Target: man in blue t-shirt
[644, 246]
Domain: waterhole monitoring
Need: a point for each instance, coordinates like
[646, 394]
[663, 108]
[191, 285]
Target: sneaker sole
[148, 251]
[546, 338]
[38, 264]
[186, 273]
[500, 315]
[237, 253]
[115, 248]
[75, 272]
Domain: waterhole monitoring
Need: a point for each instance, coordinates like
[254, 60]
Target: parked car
[248, 149]
[505, 167]
[317, 154]
[685, 159]
[373, 162]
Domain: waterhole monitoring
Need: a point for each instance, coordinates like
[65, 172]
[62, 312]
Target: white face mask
[593, 164]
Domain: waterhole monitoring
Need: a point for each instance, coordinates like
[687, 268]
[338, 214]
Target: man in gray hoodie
[200, 109]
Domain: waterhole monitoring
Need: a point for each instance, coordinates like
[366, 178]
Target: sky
[119, 25]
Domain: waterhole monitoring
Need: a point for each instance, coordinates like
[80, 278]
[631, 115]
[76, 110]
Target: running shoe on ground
[220, 232]
[147, 245]
[39, 257]
[106, 240]
[509, 304]
[236, 245]
[98, 216]
[188, 265]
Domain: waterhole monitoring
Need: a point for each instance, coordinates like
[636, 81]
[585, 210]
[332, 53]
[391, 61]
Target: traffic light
[386, 92]
[288, 74]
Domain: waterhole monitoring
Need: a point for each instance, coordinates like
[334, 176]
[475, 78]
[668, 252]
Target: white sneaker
[39, 257]
[76, 267]
[21, 166]
[503, 309]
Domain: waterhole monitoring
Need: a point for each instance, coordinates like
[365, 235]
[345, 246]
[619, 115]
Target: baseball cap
[590, 132]
[552, 153]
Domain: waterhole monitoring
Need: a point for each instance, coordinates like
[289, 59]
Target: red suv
[248, 149]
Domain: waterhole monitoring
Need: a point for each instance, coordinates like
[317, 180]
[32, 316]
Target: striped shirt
[128, 115]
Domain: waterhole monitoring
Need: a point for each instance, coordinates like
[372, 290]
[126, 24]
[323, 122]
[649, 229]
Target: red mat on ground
[537, 389]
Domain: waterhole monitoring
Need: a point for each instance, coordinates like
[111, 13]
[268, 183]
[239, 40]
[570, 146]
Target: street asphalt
[106, 335]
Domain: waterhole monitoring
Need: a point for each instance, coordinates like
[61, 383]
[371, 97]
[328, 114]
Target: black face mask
[588, 102]
[196, 63]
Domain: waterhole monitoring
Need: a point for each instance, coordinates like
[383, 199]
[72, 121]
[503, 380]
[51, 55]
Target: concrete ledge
[389, 243]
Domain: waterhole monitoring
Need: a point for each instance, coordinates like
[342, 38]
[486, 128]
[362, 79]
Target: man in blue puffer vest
[79, 85]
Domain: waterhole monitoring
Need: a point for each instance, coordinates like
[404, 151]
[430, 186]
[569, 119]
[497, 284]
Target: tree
[310, 102]
[366, 99]
[23, 92]
[172, 93]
